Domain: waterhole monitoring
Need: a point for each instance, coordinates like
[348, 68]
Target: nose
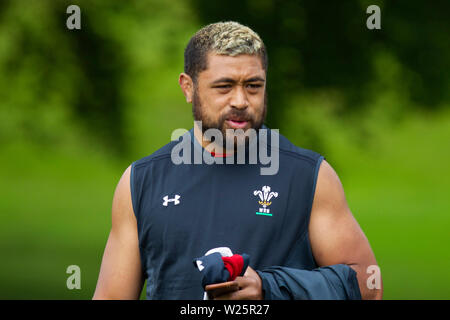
[239, 98]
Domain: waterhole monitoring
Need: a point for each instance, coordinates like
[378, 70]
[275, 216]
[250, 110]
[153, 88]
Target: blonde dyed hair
[227, 38]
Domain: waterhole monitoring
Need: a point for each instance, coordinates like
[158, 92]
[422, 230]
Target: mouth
[237, 123]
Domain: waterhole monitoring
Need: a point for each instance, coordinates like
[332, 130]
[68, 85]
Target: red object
[219, 155]
[234, 265]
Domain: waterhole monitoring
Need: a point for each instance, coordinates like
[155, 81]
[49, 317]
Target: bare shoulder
[122, 209]
[124, 182]
[327, 172]
[329, 190]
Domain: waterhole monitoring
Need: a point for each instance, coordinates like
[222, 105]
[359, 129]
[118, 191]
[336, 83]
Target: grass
[399, 195]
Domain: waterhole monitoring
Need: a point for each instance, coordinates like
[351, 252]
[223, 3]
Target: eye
[254, 85]
[223, 86]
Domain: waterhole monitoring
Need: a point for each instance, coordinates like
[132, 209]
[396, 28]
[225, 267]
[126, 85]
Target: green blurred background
[78, 106]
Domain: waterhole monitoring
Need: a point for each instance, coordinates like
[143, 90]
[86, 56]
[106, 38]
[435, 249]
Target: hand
[250, 287]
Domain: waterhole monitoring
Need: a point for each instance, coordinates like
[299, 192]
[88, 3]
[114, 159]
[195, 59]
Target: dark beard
[197, 111]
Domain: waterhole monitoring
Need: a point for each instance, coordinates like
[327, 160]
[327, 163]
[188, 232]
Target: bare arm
[120, 273]
[335, 235]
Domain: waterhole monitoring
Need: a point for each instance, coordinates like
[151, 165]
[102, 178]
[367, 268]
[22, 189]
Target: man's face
[230, 93]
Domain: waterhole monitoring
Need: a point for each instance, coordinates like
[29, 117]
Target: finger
[242, 283]
[246, 291]
[244, 294]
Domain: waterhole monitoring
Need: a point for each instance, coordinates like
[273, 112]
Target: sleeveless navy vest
[184, 210]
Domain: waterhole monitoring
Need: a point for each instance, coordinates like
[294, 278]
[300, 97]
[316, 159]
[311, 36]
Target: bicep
[120, 273]
[335, 235]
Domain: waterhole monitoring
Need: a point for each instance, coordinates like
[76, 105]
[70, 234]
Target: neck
[211, 147]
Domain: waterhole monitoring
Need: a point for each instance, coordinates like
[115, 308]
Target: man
[307, 246]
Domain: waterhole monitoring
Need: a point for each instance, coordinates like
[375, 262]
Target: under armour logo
[175, 200]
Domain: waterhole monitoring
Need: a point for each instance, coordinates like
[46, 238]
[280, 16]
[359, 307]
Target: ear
[187, 86]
